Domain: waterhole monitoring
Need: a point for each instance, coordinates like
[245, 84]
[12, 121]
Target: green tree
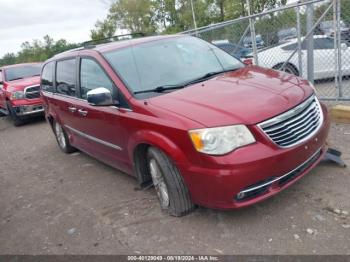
[103, 29]
[8, 59]
[171, 16]
[37, 50]
[134, 15]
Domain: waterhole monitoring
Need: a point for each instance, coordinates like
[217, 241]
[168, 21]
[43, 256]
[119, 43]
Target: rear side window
[1, 76]
[92, 76]
[295, 46]
[47, 77]
[324, 43]
[65, 77]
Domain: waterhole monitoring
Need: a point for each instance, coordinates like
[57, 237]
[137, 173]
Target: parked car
[20, 92]
[184, 115]
[286, 34]
[327, 28]
[248, 43]
[231, 48]
[324, 59]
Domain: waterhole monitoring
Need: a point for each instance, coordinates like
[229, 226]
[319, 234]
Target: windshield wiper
[160, 89]
[18, 78]
[206, 76]
[163, 88]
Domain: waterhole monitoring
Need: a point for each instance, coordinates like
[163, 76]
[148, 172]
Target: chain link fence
[310, 39]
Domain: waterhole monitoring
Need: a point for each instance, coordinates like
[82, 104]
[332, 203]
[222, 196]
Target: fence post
[337, 37]
[300, 57]
[194, 17]
[252, 34]
[310, 42]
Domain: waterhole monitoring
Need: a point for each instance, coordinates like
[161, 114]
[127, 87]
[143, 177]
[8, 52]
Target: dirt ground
[52, 203]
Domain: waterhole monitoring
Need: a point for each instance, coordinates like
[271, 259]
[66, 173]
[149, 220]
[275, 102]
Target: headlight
[17, 95]
[221, 140]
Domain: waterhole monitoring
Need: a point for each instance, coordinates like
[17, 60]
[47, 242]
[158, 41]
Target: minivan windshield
[20, 72]
[169, 62]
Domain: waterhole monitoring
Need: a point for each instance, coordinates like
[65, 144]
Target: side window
[290, 47]
[294, 46]
[47, 77]
[65, 77]
[92, 76]
[1, 76]
[324, 43]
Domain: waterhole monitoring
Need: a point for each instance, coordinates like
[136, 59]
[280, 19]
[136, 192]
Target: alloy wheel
[159, 183]
[60, 135]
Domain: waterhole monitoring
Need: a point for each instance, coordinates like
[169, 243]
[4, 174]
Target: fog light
[240, 195]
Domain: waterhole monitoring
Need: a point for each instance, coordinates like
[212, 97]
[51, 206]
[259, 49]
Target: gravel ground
[52, 203]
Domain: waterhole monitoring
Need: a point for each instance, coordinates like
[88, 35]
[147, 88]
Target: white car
[324, 58]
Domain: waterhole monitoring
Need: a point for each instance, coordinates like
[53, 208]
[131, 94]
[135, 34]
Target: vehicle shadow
[29, 121]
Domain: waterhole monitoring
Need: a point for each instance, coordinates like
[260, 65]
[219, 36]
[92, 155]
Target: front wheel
[171, 190]
[288, 68]
[62, 138]
[12, 113]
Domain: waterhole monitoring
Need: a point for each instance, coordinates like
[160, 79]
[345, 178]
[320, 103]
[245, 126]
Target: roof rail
[70, 50]
[92, 43]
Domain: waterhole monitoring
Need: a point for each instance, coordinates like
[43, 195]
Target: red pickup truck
[20, 92]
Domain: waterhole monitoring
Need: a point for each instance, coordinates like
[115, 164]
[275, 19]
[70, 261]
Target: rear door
[64, 101]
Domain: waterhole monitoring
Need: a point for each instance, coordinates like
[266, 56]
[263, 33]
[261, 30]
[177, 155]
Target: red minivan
[181, 114]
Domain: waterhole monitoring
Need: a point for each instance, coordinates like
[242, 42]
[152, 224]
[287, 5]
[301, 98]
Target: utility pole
[193, 16]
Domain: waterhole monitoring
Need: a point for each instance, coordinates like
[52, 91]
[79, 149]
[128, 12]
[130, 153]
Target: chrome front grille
[32, 92]
[296, 125]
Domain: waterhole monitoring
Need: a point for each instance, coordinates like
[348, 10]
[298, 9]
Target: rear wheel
[62, 138]
[288, 68]
[172, 192]
[13, 115]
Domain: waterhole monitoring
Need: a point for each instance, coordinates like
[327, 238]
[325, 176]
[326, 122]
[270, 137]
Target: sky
[25, 20]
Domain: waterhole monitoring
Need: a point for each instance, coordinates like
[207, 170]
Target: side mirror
[100, 96]
[343, 46]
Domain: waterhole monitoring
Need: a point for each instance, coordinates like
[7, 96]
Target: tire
[62, 138]
[12, 113]
[289, 68]
[172, 192]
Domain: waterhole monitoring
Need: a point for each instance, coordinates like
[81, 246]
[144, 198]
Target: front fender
[158, 140]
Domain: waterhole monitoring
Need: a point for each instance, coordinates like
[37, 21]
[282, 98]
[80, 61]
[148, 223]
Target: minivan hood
[246, 96]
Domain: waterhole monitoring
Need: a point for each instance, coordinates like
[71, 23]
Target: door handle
[72, 109]
[83, 112]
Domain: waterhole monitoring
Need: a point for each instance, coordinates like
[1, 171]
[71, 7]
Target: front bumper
[29, 110]
[260, 171]
[28, 107]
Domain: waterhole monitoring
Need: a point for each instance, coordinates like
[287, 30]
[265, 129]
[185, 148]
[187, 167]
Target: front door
[99, 126]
